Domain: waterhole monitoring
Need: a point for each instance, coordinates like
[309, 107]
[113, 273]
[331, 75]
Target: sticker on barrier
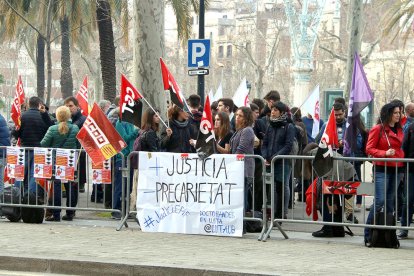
[101, 173]
[65, 164]
[190, 195]
[43, 163]
[15, 162]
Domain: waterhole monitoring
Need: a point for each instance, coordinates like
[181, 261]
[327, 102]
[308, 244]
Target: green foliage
[1, 79]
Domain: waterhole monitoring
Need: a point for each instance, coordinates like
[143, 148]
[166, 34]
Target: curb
[73, 267]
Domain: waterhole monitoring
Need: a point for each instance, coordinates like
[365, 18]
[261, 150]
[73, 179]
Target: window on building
[229, 51]
[221, 30]
[220, 52]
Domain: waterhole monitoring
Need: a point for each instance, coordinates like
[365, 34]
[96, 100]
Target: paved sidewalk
[95, 248]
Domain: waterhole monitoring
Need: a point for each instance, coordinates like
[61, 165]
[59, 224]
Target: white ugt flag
[219, 93]
[241, 97]
[311, 106]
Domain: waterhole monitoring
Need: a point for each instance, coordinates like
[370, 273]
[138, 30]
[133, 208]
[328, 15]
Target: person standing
[242, 143]
[223, 132]
[278, 140]
[385, 141]
[4, 142]
[62, 135]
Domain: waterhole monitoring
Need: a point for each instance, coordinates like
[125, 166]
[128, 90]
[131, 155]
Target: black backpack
[386, 238]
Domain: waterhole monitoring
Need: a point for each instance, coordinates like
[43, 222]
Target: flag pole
[304, 102]
[156, 113]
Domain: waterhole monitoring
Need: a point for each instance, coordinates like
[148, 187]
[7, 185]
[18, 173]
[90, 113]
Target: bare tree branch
[366, 57]
[334, 55]
[334, 35]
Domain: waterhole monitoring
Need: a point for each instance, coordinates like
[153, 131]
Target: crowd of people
[268, 128]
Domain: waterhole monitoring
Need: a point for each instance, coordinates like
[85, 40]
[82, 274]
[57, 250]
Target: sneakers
[402, 235]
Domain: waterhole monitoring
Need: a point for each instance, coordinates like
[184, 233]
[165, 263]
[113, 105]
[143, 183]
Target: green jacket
[53, 139]
[129, 133]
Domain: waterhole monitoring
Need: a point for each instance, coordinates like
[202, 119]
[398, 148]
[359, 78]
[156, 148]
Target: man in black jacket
[34, 125]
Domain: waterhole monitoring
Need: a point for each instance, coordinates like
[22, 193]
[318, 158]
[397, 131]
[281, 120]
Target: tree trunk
[148, 48]
[40, 67]
[259, 82]
[354, 42]
[49, 72]
[107, 49]
[66, 81]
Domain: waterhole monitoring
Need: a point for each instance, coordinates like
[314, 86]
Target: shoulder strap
[66, 138]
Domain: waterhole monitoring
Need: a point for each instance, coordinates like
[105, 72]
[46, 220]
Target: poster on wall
[180, 193]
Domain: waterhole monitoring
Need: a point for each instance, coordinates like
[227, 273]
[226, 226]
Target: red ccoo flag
[205, 145]
[18, 100]
[82, 97]
[98, 136]
[323, 162]
[131, 106]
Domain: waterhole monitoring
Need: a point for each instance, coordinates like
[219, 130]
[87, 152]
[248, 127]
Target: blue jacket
[4, 135]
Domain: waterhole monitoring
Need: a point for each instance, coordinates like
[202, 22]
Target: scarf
[182, 124]
[279, 121]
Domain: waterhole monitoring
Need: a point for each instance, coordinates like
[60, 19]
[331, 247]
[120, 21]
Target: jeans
[406, 220]
[281, 188]
[29, 181]
[357, 166]
[385, 186]
[116, 200]
[71, 197]
[1, 174]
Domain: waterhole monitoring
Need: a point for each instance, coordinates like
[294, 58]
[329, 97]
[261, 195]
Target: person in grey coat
[242, 142]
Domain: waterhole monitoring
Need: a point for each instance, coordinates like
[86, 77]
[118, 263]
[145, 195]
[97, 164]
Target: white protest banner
[101, 173]
[180, 193]
[65, 164]
[15, 162]
[43, 162]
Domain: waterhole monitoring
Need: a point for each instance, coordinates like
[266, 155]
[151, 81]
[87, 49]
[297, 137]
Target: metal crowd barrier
[348, 208]
[93, 197]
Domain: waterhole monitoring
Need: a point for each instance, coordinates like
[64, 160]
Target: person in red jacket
[385, 141]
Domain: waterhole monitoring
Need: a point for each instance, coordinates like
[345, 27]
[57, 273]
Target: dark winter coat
[78, 119]
[4, 135]
[32, 129]
[179, 141]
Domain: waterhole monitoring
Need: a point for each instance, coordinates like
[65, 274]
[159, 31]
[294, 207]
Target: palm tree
[149, 43]
[107, 48]
[399, 19]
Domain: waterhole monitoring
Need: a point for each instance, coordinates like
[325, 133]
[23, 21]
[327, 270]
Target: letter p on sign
[198, 53]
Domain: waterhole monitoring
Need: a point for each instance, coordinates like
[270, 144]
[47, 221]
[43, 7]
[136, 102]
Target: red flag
[205, 145]
[82, 97]
[131, 106]
[18, 100]
[171, 85]
[323, 162]
[98, 136]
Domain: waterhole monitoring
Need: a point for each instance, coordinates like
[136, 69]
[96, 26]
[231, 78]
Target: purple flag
[359, 98]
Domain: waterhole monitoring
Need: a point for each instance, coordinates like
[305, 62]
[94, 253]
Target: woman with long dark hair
[385, 141]
[223, 132]
[150, 125]
[177, 137]
[242, 143]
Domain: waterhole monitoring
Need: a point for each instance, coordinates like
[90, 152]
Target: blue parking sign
[198, 53]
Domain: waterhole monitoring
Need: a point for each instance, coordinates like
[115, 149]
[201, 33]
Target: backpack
[295, 144]
[386, 238]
